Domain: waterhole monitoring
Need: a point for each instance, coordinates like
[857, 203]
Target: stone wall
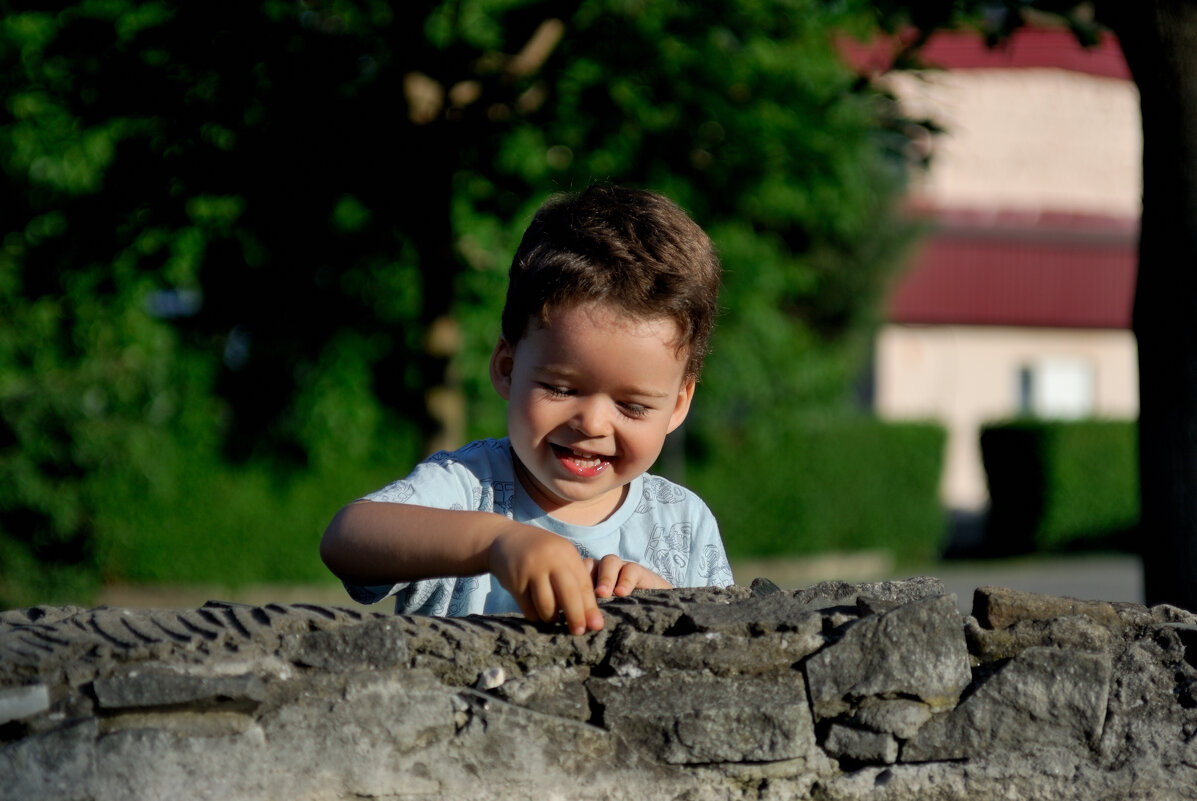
[838, 691]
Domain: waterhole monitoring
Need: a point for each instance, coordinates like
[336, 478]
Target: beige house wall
[966, 376]
[1028, 140]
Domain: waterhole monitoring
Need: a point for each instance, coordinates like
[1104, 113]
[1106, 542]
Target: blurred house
[1019, 300]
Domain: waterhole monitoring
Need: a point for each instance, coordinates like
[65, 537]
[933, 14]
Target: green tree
[280, 231]
[744, 113]
[221, 223]
[1159, 40]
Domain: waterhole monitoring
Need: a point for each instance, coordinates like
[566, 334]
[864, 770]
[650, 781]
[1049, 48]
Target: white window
[1060, 388]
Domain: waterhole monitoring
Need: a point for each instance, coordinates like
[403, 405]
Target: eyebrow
[568, 373]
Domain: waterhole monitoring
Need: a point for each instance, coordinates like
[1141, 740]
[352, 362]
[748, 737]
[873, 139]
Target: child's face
[590, 400]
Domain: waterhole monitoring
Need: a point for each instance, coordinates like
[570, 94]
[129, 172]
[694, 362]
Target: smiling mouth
[580, 462]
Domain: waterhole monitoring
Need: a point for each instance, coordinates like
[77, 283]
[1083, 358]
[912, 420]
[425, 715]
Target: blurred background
[253, 258]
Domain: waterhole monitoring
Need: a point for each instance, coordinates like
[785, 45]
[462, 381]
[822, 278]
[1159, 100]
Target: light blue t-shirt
[660, 525]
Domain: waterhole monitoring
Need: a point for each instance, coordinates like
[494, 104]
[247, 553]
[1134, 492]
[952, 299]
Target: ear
[502, 361]
[682, 407]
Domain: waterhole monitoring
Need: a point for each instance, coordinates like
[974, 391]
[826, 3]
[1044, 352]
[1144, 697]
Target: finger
[571, 597]
[594, 617]
[636, 576]
[629, 579]
[526, 606]
[652, 581]
[544, 600]
[607, 575]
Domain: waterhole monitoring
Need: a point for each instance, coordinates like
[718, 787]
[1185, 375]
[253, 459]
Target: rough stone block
[1044, 696]
[54, 766]
[841, 593]
[555, 690]
[1077, 632]
[1187, 633]
[1000, 607]
[138, 690]
[21, 702]
[897, 716]
[694, 718]
[634, 653]
[378, 643]
[860, 745]
[773, 613]
[916, 650]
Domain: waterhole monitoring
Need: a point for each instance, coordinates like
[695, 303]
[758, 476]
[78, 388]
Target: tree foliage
[278, 233]
[744, 114]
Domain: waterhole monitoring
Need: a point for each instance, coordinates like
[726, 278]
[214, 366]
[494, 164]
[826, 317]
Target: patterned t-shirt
[660, 525]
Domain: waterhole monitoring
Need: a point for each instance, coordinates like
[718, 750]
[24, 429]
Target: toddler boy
[610, 304]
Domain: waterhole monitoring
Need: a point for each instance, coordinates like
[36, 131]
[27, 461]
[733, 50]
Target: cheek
[526, 412]
[646, 443]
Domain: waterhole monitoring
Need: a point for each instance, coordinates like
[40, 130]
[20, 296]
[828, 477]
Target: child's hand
[614, 576]
[545, 575]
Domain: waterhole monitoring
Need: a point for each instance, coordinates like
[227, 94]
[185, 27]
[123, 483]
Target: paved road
[1104, 577]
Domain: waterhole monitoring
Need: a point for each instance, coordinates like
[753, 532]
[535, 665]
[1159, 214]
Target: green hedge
[184, 515]
[827, 485]
[1055, 485]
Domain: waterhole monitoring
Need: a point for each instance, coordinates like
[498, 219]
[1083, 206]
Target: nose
[592, 417]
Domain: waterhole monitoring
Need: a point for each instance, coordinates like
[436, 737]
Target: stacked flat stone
[837, 691]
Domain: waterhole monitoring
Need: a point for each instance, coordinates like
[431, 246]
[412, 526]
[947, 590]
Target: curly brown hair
[633, 249]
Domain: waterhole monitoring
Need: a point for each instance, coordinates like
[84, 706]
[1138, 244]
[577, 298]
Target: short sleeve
[682, 544]
[473, 478]
[708, 562]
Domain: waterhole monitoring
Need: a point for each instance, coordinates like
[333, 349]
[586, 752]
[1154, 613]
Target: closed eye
[556, 391]
[634, 410]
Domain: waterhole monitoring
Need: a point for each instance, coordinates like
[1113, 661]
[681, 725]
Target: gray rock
[1187, 632]
[155, 688]
[1078, 632]
[1044, 696]
[840, 593]
[682, 718]
[913, 651]
[767, 614]
[685, 694]
[860, 745]
[1053, 775]
[1164, 613]
[59, 764]
[21, 702]
[999, 607]
[634, 653]
[898, 716]
[1151, 714]
[762, 586]
[378, 643]
[554, 690]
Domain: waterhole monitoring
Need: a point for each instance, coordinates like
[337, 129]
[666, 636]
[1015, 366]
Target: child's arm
[378, 543]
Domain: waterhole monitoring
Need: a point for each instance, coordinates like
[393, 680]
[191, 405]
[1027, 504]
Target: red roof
[1069, 271]
[1027, 48]
[1007, 268]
